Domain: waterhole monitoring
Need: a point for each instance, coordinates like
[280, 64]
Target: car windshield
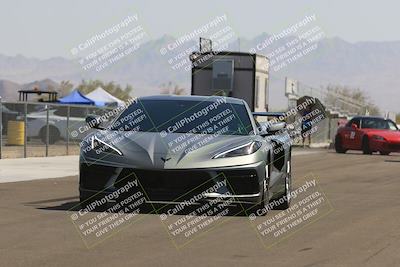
[185, 116]
[376, 123]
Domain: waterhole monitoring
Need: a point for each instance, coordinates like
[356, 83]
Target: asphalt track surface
[361, 229]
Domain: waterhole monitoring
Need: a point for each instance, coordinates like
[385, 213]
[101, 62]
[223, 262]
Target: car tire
[365, 146]
[339, 145]
[54, 135]
[384, 153]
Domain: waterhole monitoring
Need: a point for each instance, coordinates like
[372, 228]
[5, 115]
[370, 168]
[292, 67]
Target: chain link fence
[322, 136]
[338, 107]
[32, 129]
[334, 102]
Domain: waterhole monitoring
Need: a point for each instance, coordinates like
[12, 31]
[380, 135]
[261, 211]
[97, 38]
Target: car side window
[355, 121]
[392, 126]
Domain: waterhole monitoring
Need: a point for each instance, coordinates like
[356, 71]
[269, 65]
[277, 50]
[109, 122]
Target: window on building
[222, 75]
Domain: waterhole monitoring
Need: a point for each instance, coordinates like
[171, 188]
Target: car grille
[168, 184]
[181, 185]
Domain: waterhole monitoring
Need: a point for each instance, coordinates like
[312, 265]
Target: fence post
[329, 129]
[68, 114]
[25, 127]
[47, 130]
[1, 127]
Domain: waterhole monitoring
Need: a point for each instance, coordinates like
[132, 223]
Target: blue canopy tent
[75, 97]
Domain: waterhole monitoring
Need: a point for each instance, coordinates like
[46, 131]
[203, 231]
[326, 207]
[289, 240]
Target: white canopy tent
[102, 98]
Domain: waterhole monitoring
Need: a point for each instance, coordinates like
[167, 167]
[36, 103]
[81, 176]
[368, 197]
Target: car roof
[368, 117]
[230, 100]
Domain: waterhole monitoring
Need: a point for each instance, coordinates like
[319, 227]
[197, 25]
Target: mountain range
[373, 67]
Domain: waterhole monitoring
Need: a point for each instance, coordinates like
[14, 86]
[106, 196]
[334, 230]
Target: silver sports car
[180, 146]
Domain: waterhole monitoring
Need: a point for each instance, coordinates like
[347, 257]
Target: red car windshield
[376, 123]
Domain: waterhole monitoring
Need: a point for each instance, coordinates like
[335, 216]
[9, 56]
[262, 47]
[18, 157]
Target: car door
[358, 135]
[351, 134]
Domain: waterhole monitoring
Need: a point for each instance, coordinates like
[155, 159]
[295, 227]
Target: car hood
[387, 134]
[176, 150]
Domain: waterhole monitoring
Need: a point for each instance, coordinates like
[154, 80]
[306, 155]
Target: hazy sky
[46, 28]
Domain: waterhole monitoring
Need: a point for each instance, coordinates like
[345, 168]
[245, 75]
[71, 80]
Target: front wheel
[54, 135]
[339, 145]
[366, 147]
[286, 196]
[384, 153]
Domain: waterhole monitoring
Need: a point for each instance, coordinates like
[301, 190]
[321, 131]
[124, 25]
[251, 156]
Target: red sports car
[369, 134]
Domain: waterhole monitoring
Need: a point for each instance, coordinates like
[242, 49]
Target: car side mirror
[269, 129]
[276, 127]
[354, 126]
[263, 129]
[94, 121]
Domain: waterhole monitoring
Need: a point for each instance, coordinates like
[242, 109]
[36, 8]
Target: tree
[172, 89]
[115, 89]
[350, 99]
[65, 88]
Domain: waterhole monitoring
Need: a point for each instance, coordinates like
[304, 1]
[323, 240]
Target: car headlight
[241, 150]
[379, 138]
[100, 146]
